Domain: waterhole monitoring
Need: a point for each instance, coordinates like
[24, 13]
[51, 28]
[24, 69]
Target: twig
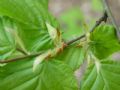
[103, 18]
[20, 58]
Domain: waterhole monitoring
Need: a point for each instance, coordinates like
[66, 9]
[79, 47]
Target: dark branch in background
[103, 18]
[105, 2]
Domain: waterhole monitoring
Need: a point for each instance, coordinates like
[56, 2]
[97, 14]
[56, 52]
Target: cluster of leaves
[23, 28]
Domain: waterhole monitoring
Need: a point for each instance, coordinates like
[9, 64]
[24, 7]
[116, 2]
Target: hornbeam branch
[102, 19]
[20, 58]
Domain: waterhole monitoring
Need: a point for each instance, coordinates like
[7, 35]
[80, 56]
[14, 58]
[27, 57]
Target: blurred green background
[72, 14]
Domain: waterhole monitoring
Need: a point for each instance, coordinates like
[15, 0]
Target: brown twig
[103, 18]
[21, 58]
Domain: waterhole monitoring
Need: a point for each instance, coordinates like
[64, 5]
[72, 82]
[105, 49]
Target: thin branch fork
[102, 19]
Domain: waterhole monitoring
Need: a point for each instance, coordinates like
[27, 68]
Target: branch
[103, 18]
[109, 12]
[20, 58]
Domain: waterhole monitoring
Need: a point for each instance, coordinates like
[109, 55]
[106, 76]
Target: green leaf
[26, 11]
[7, 42]
[104, 41]
[108, 77]
[50, 75]
[30, 17]
[73, 56]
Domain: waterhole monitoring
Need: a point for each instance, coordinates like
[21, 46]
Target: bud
[55, 34]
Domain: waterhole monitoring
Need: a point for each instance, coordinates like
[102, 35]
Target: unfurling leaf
[55, 34]
[52, 31]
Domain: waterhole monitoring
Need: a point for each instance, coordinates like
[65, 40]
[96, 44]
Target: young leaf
[55, 35]
[51, 75]
[108, 77]
[104, 41]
